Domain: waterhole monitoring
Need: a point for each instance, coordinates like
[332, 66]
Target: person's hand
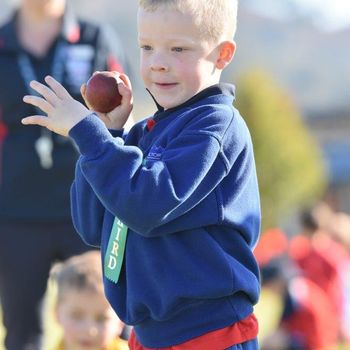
[63, 112]
[117, 118]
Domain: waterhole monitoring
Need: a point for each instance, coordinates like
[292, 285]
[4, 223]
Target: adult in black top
[36, 166]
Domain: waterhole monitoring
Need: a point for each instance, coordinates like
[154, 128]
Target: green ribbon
[115, 251]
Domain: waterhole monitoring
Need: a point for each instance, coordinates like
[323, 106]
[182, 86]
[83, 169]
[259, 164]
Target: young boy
[86, 317]
[174, 205]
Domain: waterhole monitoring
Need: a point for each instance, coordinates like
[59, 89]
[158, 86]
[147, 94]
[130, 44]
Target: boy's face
[176, 63]
[87, 320]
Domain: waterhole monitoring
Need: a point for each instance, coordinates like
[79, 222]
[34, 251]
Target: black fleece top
[29, 192]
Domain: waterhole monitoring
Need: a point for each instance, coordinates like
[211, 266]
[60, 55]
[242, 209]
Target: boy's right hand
[63, 112]
[117, 118]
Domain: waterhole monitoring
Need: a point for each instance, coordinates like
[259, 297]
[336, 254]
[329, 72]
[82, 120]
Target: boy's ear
[227, 50]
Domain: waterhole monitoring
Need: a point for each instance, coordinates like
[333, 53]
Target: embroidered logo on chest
[155, 153]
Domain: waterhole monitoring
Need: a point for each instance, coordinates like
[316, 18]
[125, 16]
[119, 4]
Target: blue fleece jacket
[188, 192]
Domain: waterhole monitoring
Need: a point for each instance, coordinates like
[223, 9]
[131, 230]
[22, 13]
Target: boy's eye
[102, 318]
[77, 315]
[178, 49]
[146, 47]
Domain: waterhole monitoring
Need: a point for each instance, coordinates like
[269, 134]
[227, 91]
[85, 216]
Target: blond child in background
[87, 320]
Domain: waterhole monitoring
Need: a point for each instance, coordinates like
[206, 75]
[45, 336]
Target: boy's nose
[159, 63]
[92, 329]
[159, 67]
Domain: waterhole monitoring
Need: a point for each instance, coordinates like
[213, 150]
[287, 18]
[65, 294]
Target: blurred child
[88, 321]
[307, 320]
[320, 259]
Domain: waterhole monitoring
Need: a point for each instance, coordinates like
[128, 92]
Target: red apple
[102, 92]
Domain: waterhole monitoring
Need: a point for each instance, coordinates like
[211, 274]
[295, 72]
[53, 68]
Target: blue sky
[336, 12]
[328, 14]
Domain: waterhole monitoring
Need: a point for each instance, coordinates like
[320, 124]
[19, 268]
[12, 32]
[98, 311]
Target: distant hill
[313, 65]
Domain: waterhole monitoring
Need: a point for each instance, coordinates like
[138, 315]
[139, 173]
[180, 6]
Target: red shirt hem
[223, 338]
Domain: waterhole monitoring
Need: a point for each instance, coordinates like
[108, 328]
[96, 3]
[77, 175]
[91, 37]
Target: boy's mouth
[165, 85]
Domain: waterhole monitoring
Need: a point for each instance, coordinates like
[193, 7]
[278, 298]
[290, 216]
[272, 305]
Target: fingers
[51, 94]
[38, 102]
[36, 120]
[57, 88]
[83, 94]
[44, 91]
[83, 90]
[124, 86]
[125, 91]
[125, 79]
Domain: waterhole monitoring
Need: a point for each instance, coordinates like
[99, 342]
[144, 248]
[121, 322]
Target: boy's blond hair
[80, 272]
[217, 19]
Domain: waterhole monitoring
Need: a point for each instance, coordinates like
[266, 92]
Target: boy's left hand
[116, 118]
[63, 112]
